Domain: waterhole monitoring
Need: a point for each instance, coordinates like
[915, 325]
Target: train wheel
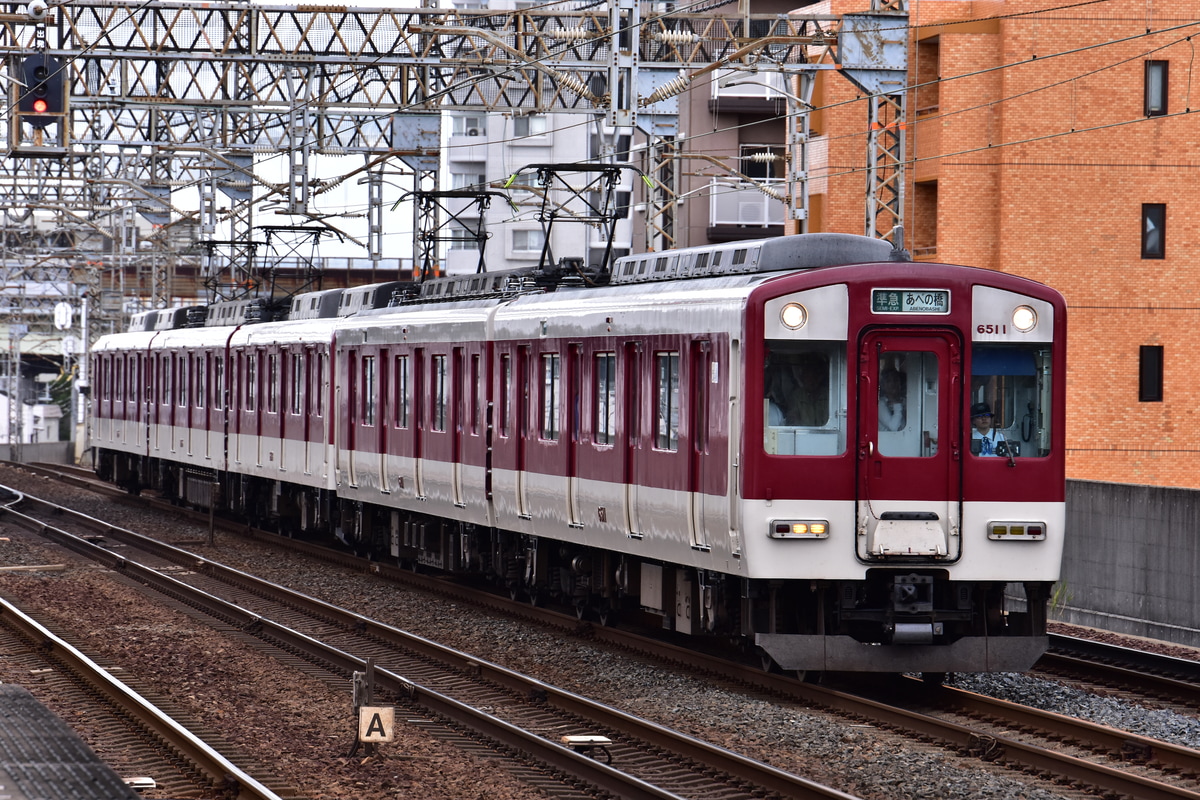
[933, 678]
[607, 615]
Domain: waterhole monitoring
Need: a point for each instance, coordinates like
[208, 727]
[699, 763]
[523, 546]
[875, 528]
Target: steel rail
[544, 750]
[221, 772]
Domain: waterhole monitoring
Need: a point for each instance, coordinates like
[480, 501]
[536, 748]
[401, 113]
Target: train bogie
[852, 466]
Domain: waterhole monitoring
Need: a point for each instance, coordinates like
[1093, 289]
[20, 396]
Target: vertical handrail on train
[735, 379]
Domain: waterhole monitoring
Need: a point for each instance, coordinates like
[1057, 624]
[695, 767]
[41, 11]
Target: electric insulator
[676, 37]
[575, 85]
[668, 89]
[765, 158]
[572, 34]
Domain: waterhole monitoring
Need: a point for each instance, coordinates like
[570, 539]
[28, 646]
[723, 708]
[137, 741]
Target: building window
[1154, 222]
[763, 161]
[460, 238]
[1150, 373]
[1156, 88]
[550, 396]
[468, 126]
[468, 176]
[528, 241]
[533, 125]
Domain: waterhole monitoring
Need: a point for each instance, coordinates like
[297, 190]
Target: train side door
[524, 380]
[699, 463]
[909, 448]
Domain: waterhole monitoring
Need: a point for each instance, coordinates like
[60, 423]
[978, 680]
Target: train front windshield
[1010, 400]
[1008, 413]
[804, 405]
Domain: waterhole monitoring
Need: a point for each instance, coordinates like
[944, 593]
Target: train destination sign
[910, 301]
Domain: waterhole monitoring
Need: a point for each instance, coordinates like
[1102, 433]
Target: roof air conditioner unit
[472, 131]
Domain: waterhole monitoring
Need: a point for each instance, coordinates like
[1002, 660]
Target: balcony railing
[743, 205]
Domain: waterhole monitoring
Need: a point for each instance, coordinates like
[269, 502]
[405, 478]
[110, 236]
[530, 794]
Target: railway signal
[42, 99]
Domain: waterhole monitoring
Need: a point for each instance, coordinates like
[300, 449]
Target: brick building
[1059, 142]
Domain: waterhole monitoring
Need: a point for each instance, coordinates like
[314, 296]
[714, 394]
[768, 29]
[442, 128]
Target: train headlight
[799, 529]
[793, 316]
[1017, 531]
[1024, 318]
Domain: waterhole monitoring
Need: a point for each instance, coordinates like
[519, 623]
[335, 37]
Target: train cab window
[604, 395]
[440, 399]
[666, 401]
[1014, 382]
[550, 397]
[804, 407]
[908, 404]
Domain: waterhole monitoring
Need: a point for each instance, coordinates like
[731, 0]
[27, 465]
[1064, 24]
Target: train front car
[904, 470]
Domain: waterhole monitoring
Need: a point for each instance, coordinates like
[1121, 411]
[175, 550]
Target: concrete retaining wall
[1132, 561]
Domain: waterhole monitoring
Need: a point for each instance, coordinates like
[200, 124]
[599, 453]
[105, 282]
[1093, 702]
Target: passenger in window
[985, 441]
[797, 391]
[775, 398]
[891, 400]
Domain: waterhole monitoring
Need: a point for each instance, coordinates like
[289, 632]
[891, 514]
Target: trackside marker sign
[376, 724]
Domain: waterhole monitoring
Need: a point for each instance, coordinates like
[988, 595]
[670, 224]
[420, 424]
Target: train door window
[440, 398]
[908, 390]
[401, 391]
[118, 380]
[368, 390]
[604, 383]
[666, 401]
[804, 403]
[219, 382]
[476, 389]
[272, 383]
[251, 381]
[181, 379]
[550, 398]
[1154, 223]
[297, 390]
[505, 392]
[319, 383]
[202, 380]
[1014, 383]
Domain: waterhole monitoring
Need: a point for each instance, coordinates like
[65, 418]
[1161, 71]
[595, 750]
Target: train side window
[604, 382]
[666, 401]
[319, 382]
[401, 391]
[476, 389]
[804, 398]
[117, 381]
[1014, 381]
[440, 400]
[505, 392]
[550, 397]
[368, 390]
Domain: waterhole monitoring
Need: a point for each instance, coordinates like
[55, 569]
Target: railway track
[520, 718]
[1110, 761]
[153, 743]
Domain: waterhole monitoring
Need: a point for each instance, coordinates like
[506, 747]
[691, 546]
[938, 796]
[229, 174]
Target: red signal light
[40, 106]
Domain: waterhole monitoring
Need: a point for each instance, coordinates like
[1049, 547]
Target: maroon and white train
[767, 440]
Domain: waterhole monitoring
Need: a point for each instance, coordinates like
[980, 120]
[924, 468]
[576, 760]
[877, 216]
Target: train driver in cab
[985, 440]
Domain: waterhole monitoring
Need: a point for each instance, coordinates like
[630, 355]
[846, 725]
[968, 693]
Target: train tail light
[1017, 531]
[799, 529]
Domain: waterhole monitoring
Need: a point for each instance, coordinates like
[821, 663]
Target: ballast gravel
[279, 717]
